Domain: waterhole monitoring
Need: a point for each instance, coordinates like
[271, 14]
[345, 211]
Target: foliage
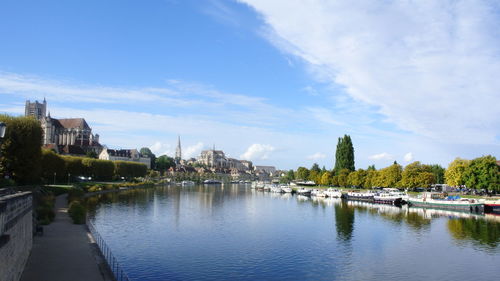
[91, 154]
[129, 170]
[417, 175]
[45, 209]
[357, 178]
[370, 178]
[326, 178]
[342, 177]
[53, 166]
[163, 163]
[75, 194]
[315, 167]
[344, 155]
[148, 153]
[454, 175]
[21, 149]
[483, 173]
[371, 168]
[77, 212]
[438, 172]
[98, 169]
[389, 176]
[302, 173]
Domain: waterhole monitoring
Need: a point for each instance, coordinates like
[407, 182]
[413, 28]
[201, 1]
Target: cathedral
[66, 136]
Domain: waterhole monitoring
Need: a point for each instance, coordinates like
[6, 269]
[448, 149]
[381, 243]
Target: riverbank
[66, 251]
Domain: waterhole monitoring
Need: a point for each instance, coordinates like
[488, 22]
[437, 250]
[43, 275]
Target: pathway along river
[235, 233]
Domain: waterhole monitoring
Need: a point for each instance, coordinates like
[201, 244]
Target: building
[178, 151]
[132, 155]
[214, 159]
[267, 169]
[62, 134]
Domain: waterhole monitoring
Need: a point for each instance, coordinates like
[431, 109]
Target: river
[232, 232]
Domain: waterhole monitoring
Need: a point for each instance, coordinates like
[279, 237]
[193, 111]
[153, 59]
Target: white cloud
[155, 148]
[192, 151]
[430, 67]
[408, 157]
[257, 151]
[381, 156]
[316, 156]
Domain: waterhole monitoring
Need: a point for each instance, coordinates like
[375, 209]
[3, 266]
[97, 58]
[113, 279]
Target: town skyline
[240, 76]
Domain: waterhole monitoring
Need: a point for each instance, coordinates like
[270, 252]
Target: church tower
[178, 151]
[36, 109]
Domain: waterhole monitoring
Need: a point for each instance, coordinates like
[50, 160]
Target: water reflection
[344, 220]
[481, 231]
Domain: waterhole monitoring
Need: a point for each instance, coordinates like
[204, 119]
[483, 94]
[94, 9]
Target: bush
[45, 209]
[77, 212]
[75, 194]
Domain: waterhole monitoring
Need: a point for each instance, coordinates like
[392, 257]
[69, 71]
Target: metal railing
[113, 263]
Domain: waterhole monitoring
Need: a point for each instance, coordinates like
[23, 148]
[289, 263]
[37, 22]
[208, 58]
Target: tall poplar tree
[344, 156]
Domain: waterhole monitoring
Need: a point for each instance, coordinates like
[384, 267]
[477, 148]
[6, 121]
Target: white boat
[304, 191]
[387, 198]
[286, 188]
[394, 191]
[187, 183]
[317, 193]
[332, 192]
[276, 189]
[267, 187]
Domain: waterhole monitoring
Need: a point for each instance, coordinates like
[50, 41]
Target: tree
[344, 155]
[370, 178]
[21, 149]
[147, 152]
[163, 163]
[357, 178]
[371, 168]
[483, 173]
[302, 173]
[389, 176]
[417, 175]
[342, 177]
[91, 154]
[438, 172]
[326, 178]
[315, 167]
[454, 175]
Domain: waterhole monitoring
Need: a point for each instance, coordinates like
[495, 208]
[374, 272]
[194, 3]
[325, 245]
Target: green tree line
[480, 173]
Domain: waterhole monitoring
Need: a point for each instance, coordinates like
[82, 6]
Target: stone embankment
[16, 233]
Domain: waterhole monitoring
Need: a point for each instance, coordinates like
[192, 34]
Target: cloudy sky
[275, 82]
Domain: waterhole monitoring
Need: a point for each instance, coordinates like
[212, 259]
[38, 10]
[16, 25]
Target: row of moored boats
[392, 196]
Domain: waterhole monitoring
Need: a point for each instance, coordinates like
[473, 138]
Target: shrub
[45, 209]
[77, 212]
[75, 194]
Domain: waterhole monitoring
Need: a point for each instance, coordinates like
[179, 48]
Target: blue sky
[275, 82]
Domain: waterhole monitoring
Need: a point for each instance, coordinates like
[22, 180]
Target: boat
[394, 191]
[306, 183]
[492, 206]
[286, 189]
[317, 193]
[187, 183]
[387, 198]
[436, 200]
[212, 182]
[332, 192]
[360, 196]
[267, 187]
[276, 189]
[304, 191]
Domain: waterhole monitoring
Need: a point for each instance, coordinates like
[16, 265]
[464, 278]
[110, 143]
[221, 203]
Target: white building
[125, 155]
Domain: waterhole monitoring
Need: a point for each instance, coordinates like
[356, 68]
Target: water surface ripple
[235, 233]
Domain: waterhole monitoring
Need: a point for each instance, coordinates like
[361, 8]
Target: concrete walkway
[64, 252]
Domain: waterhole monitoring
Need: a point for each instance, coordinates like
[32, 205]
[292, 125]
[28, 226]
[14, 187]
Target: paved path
[64, 252]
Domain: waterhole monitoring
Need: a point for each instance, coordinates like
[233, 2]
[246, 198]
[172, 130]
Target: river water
[232, 232]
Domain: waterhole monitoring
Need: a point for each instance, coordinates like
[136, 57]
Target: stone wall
[16, 234]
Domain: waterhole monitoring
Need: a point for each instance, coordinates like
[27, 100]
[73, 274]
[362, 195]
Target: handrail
[112, 262]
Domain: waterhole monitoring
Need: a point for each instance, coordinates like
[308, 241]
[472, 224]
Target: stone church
[66, 136]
